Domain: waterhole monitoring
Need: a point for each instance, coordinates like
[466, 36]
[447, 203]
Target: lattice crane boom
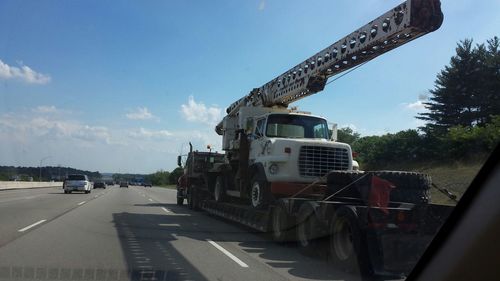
[400, 25]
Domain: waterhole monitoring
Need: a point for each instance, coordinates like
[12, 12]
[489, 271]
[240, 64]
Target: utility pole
[40, 166]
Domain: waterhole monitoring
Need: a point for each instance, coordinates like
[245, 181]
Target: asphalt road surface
[137, 233]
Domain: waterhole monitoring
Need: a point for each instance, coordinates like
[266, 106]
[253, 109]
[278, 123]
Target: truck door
[257, 145]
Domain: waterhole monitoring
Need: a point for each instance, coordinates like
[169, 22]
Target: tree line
[48, 173]
[163, 178]
[462, 116]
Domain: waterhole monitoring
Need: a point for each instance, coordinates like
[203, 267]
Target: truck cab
[275, 152]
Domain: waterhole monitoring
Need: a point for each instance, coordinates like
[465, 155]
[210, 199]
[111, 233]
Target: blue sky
[122, 86]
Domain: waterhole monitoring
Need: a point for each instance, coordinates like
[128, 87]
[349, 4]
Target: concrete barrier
[6, 185]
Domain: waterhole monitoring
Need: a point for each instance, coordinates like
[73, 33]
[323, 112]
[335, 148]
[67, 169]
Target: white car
[77, 183]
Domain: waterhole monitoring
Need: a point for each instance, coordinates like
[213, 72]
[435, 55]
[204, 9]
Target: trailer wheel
[259, 192]
[282, 225]
[309, 229]
[219, 190]
[348, 250]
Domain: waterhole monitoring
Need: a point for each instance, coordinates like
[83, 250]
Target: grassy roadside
[456, 177]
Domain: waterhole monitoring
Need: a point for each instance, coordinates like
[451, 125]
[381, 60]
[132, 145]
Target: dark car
[99, 184]
[147, 184]
[124, 184]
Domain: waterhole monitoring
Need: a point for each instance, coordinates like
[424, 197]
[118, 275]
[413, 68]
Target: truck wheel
[259, 192]
[219, 190]
[282, 229]
[180, 201]
[65, 192]
[347, 248]
[309, 228]
[190, 198]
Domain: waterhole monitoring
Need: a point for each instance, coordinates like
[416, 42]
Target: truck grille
[316, 161]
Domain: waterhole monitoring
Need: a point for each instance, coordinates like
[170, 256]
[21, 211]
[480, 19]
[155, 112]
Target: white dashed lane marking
[31, 225]
[227, 253]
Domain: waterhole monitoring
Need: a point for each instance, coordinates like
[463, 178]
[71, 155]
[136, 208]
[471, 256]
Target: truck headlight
[273, 169]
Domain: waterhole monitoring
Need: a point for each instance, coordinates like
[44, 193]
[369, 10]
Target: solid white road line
[165, 209]
[81, 203]
[227, 253]
[31, 225]
[150, 199]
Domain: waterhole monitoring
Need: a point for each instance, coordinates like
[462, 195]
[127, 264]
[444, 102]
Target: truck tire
[282, 225]
[411, 187]
[310, 230]
[336, 180]
[259, 192]
[180, 201]
[347, 247]
[219, 189]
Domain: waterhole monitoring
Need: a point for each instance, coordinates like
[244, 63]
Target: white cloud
[27, 136]
[418, 105]
[26, 128]
[24, 73]
[142, 113]
[142, 133]
[199, 112]
[45, 109]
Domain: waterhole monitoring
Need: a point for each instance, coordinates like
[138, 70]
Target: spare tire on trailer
[410, 187]
[337, 180]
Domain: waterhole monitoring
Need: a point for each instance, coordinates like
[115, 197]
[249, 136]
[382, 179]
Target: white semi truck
[283, 170]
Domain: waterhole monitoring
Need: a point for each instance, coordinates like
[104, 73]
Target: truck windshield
[296, 126]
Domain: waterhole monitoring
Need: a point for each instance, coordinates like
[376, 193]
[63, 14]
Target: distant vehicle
[99, 184]
[77, 182]
[124, 184]
[110, 183]
[147, 184]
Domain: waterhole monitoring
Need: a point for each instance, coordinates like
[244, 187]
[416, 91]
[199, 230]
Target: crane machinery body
[275, 151]
[283, 170]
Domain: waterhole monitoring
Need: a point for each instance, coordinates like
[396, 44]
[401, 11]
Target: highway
[137, 233]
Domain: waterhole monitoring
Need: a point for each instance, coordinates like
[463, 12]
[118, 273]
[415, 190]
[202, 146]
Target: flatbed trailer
[355, 235]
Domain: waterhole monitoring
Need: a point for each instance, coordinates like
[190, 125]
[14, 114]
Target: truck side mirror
[179, 161]
[333, 132]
